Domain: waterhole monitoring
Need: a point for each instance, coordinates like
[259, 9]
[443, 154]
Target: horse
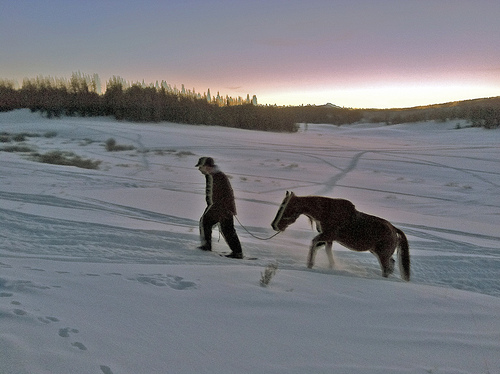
[338, 220]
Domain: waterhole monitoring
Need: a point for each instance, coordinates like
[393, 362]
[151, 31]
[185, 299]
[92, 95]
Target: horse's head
[287, 214]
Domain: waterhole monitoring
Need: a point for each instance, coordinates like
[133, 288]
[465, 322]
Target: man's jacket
[219, 195]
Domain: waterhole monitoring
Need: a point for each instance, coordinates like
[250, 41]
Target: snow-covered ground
[99, 271]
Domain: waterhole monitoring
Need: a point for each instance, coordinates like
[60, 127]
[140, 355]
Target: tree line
[80, 96]
[137, 102]
[483, 113]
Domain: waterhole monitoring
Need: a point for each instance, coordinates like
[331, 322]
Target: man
[220, 208]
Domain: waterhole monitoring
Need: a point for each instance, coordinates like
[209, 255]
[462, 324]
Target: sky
[352, 53]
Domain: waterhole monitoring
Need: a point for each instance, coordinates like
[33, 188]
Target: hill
[99, 271]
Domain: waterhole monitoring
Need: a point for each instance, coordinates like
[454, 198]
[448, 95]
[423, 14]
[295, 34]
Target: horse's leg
[328, 249]
[311, 255]
[315, 244]
[389, 267]
[385, 259]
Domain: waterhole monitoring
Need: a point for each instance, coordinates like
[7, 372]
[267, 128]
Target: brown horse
[338, 220]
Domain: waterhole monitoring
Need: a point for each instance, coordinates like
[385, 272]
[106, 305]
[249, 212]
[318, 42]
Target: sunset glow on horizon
[380, 97]
[359, 54]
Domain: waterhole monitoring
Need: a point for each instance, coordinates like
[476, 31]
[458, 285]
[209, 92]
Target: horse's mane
[312, 221]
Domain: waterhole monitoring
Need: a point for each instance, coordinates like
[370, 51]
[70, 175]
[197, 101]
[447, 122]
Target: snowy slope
[99, 271]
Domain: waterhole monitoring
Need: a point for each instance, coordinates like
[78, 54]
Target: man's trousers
[208, 221]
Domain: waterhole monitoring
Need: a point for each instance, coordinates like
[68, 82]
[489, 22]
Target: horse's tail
[404, 255]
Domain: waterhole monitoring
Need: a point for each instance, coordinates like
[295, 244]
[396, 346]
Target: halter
[282, 209]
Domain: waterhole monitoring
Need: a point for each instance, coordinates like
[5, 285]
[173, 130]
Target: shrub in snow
[268, 274]
[67, 159]
[111, 146]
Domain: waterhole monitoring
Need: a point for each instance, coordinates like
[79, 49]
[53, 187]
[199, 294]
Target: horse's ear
[287, 193]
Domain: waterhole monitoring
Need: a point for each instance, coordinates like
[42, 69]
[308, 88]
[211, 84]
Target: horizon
[102, 89]
[288, 53]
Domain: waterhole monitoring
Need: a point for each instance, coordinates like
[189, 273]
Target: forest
[138, 102]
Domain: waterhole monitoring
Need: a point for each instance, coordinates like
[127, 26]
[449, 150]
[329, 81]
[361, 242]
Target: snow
[99, 271]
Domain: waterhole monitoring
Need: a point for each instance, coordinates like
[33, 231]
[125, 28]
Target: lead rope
[256, 237]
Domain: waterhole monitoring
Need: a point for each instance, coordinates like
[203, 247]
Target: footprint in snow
[106, 370]
[173, 281]
[178, 283]
[79, 345]
[18, 311]
[65, 332]
[48, 319]
[33, 269]
[19, 285]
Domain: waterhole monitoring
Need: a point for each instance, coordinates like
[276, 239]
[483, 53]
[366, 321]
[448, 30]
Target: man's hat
[205, 161]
